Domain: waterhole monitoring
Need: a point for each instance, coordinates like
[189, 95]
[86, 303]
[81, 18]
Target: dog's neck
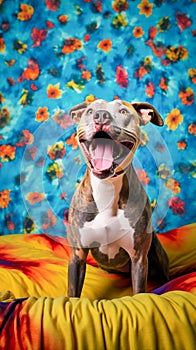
[106, 192]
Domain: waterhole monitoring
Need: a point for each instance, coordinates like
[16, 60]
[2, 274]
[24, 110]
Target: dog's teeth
[91, 148]
[120, 153]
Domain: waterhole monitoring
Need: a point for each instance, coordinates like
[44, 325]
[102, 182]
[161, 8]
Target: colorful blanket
[36, 314]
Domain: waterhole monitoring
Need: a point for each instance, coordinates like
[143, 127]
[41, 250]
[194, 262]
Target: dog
[110, 213]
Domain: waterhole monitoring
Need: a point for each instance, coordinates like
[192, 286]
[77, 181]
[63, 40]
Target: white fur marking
[107, 230]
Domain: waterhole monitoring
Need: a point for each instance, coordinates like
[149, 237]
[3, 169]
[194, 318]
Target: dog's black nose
[102, 117]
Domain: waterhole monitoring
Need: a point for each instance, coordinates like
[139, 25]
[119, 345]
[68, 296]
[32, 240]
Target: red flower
[150, 89]
[176, 205]
[38, 35]
[122, 77]
[52, 5]
[183, 21]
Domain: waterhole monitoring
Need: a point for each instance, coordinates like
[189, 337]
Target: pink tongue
[103, 156]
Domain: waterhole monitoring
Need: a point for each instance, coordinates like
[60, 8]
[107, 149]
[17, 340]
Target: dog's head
[109, 133]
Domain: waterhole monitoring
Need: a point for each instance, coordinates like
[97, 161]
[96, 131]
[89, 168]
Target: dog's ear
[76, 111]
[147, 113]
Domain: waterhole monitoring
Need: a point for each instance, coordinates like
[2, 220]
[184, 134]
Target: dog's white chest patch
[107, 231]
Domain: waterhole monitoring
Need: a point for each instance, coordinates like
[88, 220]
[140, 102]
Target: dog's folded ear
[147, 113]
[76, 111]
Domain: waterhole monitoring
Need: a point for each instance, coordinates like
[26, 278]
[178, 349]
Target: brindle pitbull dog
[110, 213]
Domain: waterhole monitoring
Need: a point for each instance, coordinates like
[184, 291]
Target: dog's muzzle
[104, 152]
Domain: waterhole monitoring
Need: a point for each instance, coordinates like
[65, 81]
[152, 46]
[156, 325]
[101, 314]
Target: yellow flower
[19, 46]
[174, 118]
[192, 74]
[145, 8]
[119, 21]
[173, 185]
[163, 172]
[53, 91]
[90, 98]
[143, 138]
[175, 54]
[77, 87]
[2, 45]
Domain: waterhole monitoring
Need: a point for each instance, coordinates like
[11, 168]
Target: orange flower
[138, 32]
[174, 118]
[32, 72]
[53, 91]
[163, 172]
[142, 72]
[49, 220]
[173, 185]
[63, 19]
[145, 8]
[4, 198]
[150, 90]
[35, 197]
[26, 12]
[105, 45]
[143, 176]
[187, 96]
[2, 45]
[192, 129]
[86, 74]
[42, 114]
[163, 84]
[182, 144]
[7, 152]
[71, 45]
[120, 5]
[72, 141]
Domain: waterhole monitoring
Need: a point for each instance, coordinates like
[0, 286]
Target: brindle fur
[149, 258]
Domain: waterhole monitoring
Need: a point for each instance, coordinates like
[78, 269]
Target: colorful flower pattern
[55, 54]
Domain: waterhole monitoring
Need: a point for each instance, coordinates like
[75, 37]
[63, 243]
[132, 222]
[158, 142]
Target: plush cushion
[36, 314]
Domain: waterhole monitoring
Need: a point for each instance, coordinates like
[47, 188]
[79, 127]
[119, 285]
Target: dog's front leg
[139, 271]
[76, 272]
[139, 267]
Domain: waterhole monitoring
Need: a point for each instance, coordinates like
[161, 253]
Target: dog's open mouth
[104, 153]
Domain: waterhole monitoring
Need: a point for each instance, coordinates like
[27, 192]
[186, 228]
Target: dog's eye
[90, 111]
[124, 111]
